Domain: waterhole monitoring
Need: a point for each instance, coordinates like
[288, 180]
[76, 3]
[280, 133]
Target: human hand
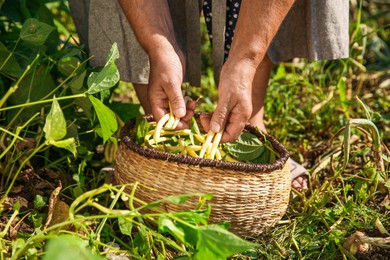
[234, 107]
[167, 68]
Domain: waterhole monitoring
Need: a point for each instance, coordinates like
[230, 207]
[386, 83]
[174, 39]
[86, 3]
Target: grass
[308, 107]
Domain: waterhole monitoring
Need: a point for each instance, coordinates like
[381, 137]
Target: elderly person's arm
[152, 24]
[257, 24]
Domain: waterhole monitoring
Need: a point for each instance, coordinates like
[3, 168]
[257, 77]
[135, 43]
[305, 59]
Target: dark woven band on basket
[278, 164]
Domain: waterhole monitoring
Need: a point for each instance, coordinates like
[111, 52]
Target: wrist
[248, 56]
[241, 65]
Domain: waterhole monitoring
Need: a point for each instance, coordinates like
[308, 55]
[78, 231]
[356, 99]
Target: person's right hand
[167, 67]
[234, 106]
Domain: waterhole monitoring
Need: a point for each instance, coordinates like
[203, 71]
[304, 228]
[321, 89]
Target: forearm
[257, 24]
[151, 22]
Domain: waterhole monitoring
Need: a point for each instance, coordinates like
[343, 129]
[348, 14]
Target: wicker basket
[252, 197]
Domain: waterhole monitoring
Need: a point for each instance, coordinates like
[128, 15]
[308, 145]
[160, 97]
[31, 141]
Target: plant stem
[8, 225]
[103, 222]
[16, 135]
[86, 195]
[65, 81]
[10, 133]
[377, 148]
[42, 101]
[15, 87]
[17, 174]
[10, 54]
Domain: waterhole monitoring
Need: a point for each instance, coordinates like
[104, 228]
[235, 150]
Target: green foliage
[55, 126]
[35, 32]
[106, 118]
[107, 77]
[54, 106]
[68, 247]
[248, 148]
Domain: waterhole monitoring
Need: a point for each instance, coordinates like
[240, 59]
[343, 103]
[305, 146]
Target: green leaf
[125, 111]
[166, 225]
[280, 73]
[33, 87]
[16, 206]
[68, 144]
[68, 247]
[35, 32]
[215, 242]
[55, 125]
[8, 63]
[69, 65]
[125, 226]
[113, 55]
[39, 201]
[143, 127]
[108, 76]
[247, 147]
[177, 199]
[190, 232]
[106, 118]
[104, 79]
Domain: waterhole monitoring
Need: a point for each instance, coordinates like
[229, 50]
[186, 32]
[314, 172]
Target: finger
[232, 132]
[219, 117]
[205, 121]
[176, 99]
[185, 121]
[159, 104]
[235, 124]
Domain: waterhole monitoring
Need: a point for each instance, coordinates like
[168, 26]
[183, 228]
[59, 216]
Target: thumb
[176, 100]
[219, 118]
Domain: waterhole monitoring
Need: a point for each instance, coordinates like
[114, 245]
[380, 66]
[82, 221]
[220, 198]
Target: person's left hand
[234, 107]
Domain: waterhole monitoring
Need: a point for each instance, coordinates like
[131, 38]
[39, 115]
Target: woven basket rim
[147, 152]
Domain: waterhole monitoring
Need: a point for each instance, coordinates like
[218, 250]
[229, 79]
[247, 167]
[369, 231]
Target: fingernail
[215, 127]
[180, 112]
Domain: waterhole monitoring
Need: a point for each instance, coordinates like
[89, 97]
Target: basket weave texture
[252, 197]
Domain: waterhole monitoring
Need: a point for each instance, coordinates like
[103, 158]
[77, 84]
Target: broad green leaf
[77, 83]
[190, 232]
[68, 247]
[76, 86]
[8, 63]
[104, 79]
[247, 147]
[215, 242]
[106, 118]
[55, 125]
[113, 55]
[125, 226]
[166, 225]
[125, 111]
[33, 87]
[141, 240]
[35, 32]
[143, 127]
[68, 144]
[108, 76]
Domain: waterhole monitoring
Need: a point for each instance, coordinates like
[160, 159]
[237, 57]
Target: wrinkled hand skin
[166, 76]
[234, 101]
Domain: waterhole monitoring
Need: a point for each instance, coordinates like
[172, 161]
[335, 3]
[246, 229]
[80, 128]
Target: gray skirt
[313, 29]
